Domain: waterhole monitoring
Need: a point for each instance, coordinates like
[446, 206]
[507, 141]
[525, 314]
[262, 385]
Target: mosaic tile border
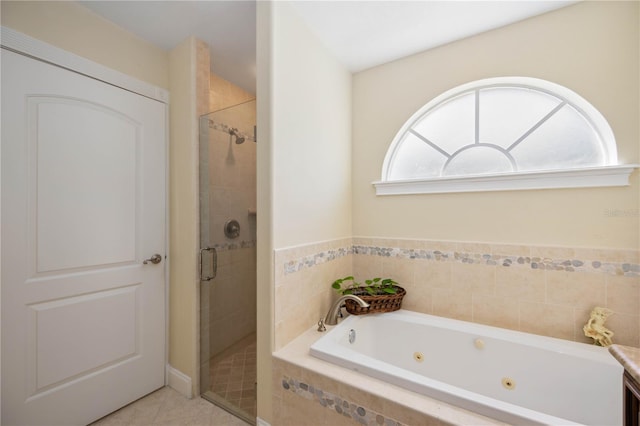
[363, 415]
[316, 259]
[234, 245]
[532, 262]
[225, 128]
[567, 265]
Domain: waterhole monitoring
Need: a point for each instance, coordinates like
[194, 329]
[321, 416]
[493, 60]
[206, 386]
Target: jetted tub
[514, 377]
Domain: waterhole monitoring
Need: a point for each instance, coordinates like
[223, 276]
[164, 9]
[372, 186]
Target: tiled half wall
[541, 290]
[306, 398]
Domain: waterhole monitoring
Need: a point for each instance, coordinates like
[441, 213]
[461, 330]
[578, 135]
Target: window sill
[574, 178]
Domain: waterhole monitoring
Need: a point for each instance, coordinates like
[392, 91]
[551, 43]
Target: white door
[83, 204]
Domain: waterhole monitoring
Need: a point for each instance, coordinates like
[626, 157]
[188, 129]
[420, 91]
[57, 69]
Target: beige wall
[189, 71]
[591, 47]
[304, 156]
[264, 191]
[311, 136]
[76, 29]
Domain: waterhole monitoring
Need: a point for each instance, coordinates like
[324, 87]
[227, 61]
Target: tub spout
[332, 315]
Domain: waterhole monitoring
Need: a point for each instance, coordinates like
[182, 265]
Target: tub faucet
[334, 311]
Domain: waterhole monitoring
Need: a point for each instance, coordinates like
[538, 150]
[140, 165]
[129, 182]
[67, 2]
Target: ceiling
[361, 34]
[228, 27]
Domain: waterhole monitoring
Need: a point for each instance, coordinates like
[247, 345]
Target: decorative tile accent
[225, 129]
[316, 259]
[363, 415]
[234, 246]
[532, 262]
[567, 265]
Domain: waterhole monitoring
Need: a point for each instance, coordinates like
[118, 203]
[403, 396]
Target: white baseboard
[260, 422]
[179, 381]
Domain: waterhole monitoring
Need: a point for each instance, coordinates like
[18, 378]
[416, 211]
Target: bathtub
[514, 377]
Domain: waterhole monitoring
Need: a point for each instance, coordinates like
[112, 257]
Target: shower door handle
[214, 263]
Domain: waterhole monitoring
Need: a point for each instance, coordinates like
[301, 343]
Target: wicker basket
[377, 303]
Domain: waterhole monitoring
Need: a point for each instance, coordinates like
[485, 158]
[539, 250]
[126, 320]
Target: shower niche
[228, 259]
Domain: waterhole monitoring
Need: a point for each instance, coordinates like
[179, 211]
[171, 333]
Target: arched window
[500, 134]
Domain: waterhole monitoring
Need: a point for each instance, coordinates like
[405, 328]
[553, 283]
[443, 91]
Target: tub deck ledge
[297, 354]
[629, 357]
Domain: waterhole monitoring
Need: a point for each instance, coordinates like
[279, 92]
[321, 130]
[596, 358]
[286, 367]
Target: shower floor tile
[233, 377]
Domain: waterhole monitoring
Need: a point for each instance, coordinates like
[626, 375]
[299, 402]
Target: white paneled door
[83, 205]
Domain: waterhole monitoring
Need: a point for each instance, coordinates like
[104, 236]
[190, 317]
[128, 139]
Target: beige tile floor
[166, 407]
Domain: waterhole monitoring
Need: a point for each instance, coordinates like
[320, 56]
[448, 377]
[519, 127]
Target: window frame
[609, 174]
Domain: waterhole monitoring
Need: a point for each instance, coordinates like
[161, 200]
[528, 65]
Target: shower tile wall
[232, 189]
[542, 290]
[227, 305]
[224, 94]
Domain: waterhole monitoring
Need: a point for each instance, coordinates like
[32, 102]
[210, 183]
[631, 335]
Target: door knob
[155, 259]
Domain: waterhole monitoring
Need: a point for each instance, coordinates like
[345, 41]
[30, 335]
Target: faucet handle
[321, 326]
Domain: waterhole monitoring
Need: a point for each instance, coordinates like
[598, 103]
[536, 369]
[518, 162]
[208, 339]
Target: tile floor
[233, 382]
[166, 407]
[233, 377]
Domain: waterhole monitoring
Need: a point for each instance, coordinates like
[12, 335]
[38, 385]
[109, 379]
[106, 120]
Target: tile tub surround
[347, 409]
[304, 296]
[309, 391]
[541, 290]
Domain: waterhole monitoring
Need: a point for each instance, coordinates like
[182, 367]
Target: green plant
[374, 286]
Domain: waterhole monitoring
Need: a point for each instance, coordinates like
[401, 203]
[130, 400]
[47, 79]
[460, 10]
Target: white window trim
[575, 178]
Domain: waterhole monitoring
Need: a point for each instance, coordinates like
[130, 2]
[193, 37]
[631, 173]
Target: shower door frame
[210, 250]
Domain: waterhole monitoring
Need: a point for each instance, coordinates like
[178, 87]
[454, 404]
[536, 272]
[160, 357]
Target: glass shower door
[228, 259]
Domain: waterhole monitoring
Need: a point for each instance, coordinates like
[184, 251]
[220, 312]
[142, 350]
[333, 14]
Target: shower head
[234, 132]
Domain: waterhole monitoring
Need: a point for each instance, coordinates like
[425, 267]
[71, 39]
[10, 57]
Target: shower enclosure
[228, 259]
